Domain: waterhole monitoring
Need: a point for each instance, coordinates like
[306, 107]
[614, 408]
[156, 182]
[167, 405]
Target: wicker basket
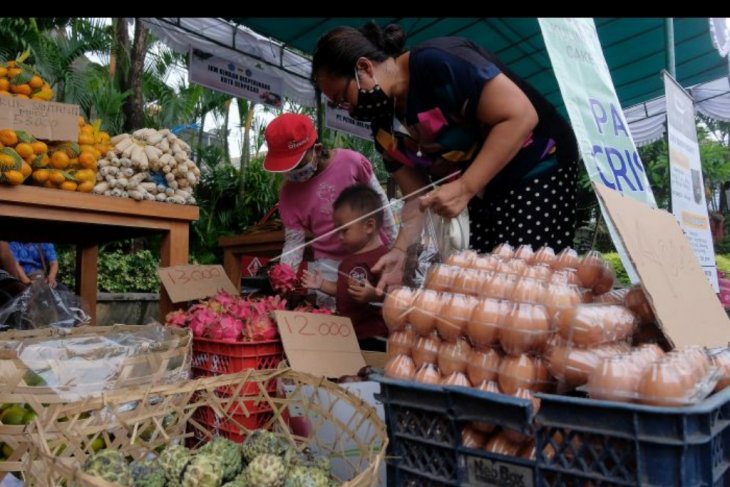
[136, 422]
[23, 363]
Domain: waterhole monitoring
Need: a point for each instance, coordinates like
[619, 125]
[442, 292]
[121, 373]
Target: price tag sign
[322, 345]
[190, 282]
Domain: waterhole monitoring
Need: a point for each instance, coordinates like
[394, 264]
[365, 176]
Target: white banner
[600, 126]
[688, 189]
[244, 81]
[338, 119]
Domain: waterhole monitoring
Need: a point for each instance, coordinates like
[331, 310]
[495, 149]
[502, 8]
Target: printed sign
[338, 119]
[688, 189]
[322, 345]
[189, 282]
[238, 80]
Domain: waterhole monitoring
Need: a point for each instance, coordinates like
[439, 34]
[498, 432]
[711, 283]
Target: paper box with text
[42, 119]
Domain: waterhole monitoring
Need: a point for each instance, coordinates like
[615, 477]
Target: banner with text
[235, 79]
[338, 119]
[688, 189]
[606, 146]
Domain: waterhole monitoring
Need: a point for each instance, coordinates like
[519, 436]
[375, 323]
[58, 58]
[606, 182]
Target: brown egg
[501, 445]
[583, 325]
[489, 386]
[590, 269]
[721, 360]
[543, 255]
[396, 307]
[612, 297]
[618, 322]
[650, 352]
[566, 258]
[486, 262]
[456, 379]
[615, 379]
[543, 381]
[528, 451]
[662, 384]
[440, 277]
[637, 302]
[565, 276]
[482, 366]
[428, 374]
[400, 367]
[463, 258]
[472, 438]
[517, 267]
[524, 252]
[526, 329]
[539, 272]
[515, 436]
[468, 281]
[505, 251]
[452, 357]
[426, 308]
[572, 366]
[605, 282]
[500, 287]
[485, 321]
[560, 296]
[401, 342]
[529, 291]
[455, 314]
[426, 350]
[516, 372]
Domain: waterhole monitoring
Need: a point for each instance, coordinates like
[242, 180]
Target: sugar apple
[147, 473]
[204, 470]
[301, 476]
[173, 460]
[228, 452]
[266, 470]
[240, 481]
[110, 465]
[261, 441]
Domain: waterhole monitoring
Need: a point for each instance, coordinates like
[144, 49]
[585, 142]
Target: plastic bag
[41, 306]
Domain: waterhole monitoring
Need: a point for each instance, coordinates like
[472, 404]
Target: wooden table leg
[86, 285]
[174, 251]
[232, 266]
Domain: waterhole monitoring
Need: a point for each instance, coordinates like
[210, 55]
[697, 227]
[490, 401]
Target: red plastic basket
[227, 358]
[231, 427]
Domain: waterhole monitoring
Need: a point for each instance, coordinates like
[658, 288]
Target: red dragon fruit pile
[283, 278]
[230, 318]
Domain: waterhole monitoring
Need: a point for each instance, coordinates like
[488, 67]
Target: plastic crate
[227, 358]
[609, 443]
[424, 427]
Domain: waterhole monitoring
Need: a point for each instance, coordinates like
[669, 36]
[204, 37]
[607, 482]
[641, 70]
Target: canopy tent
[647, 120]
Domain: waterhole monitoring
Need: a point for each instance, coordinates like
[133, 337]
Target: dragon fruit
[177, 318]
[283, 278]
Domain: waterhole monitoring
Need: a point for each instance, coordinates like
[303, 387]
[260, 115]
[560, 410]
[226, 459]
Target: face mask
[303, 173]
[371, 104]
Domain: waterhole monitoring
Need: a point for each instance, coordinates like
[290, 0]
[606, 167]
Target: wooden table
[35, 214]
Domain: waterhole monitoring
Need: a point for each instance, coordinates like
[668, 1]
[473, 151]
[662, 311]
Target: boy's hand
[361, 291]
[312, 280]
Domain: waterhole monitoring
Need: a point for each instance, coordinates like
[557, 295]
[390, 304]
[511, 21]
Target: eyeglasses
[342, 102]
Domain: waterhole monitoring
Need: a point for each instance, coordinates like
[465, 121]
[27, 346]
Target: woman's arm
[52, 273]
[505, 108]
[293, 250]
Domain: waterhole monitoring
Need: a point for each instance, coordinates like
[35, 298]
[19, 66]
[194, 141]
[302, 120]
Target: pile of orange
[22, 81]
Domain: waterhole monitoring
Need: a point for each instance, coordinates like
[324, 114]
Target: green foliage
[723, 263]
[615, 261]
[118, 271]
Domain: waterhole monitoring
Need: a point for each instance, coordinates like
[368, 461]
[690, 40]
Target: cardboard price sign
[189, 282]
[323, 345]
[44, 120]
[686, 307]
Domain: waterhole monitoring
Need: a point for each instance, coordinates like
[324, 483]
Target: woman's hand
[448, 200]
[312, 280]
[52, 282]
[390, 267]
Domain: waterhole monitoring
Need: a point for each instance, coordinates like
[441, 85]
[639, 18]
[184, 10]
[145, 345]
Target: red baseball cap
[288, 137]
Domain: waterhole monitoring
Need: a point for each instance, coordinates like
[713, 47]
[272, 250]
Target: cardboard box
[45, 120]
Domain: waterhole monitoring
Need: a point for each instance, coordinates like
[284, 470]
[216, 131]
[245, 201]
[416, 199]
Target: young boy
[354, 287]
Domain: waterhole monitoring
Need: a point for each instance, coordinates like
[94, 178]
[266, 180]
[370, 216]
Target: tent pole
[672, 68]
[320, 115]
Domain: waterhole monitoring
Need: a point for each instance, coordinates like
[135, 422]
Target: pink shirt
[308, 205]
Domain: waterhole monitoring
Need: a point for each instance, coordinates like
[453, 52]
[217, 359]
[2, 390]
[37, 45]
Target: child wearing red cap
[314, 177]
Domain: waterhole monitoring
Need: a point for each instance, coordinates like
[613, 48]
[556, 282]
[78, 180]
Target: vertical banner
[237, 80]
[688, 189]
[338, 119]
[600, 126]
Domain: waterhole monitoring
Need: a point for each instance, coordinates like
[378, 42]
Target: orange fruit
[8, 137]
[13, 71]
[82, 122]
[5, 93]
[23, 89]
[3, 71]
[35, 82]
[85, 186]
[24, 150]
[40, 175]
[56, 177]
[86, 138]
[39, 147]
[59, 160]
[7, 161]
[25, 169]
[45, 94]
[4, 84]
[24, 97]
[49, 184]
[69, 186]
[13, 177]
[11, 63]
[87, 159]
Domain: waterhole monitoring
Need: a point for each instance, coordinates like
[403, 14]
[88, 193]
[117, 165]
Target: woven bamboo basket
[36, 370]
[138, 421]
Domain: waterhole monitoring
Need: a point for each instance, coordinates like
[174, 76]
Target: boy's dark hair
[361, 199]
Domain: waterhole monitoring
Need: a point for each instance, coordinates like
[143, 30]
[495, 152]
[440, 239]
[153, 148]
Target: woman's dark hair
[338, 50]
